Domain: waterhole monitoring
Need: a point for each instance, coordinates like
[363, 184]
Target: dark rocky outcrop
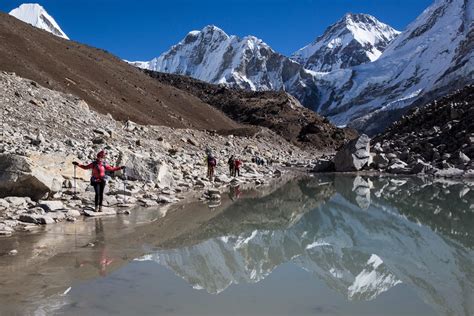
[276, 110]
[439, 135]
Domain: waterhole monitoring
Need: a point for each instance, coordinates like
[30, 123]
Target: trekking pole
[74, 180]
[124, 185]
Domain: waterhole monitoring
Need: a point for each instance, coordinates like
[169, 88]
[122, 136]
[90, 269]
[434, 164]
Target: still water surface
[326, 245]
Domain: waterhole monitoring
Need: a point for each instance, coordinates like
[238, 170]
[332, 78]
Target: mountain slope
[440, 132]
[432, 57]
[248, 63]
[356, 39]
[105, 82]
[278, 111]
[36, 15]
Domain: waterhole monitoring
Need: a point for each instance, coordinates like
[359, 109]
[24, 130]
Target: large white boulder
[21, 176]
[144, 168]
[354, 155]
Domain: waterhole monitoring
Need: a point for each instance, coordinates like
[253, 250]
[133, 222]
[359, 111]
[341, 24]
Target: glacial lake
[323, 245]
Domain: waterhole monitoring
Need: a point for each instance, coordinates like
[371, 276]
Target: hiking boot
[96, 209]
[100, 208]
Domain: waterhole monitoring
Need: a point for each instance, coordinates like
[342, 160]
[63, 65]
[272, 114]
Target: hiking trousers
[99, 192]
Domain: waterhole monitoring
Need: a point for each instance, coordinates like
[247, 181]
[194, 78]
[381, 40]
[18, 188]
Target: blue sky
[141, 30]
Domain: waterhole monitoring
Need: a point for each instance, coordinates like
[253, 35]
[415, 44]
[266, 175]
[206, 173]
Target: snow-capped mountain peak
[433, 56]
[36, 15]
[355, 39]
[248, 63]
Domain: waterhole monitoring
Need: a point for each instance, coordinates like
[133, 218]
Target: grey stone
[51, 206]
[15, 201]
[57, 216]
[463, 158]
[422, 167]
[20, 177]
[73, 213]
[36, 219]
[380, 161]
[399, 167]
[105, 212]
[166, 199]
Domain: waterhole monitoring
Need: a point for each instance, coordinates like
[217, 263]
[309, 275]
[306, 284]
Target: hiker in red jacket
[98, 181]
[237, 164]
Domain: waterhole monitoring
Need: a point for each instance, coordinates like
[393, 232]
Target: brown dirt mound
[105, 82]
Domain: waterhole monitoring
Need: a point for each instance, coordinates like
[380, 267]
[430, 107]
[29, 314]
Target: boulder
[419, 166]
[4, 204]
[380, 161]
[165, 199]
[36, 219]
[106, 211]
[144, 168]
[15, 201]
[20, 176]
[73, 213]
[51, 206]
[399, 167]
[354, 155]
[462, 158]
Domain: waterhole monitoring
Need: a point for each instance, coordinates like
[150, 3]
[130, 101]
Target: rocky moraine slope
[436, 139]
[43, 131]
[276, 110]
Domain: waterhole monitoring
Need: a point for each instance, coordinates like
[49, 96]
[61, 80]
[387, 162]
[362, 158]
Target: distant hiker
[237, 164]
[211, 165]
[231, 162]
[98, 181]
[257, 160]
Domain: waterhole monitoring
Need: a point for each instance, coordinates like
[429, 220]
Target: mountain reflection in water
[357, 236]
[361, 235]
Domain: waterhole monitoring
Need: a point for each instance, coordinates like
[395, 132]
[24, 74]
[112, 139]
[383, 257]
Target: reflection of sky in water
[343, 246]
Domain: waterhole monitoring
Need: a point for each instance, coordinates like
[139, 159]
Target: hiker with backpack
[231, 163]
[211, 165]
[98, 181]
[237, 164]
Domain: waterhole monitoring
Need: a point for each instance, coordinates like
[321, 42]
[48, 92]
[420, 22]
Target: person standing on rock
[98, 181]
[211, 165]
[237, 164]
[230, 162]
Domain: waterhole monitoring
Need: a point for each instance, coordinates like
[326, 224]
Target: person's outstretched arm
[89, 166]
[110, 168]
